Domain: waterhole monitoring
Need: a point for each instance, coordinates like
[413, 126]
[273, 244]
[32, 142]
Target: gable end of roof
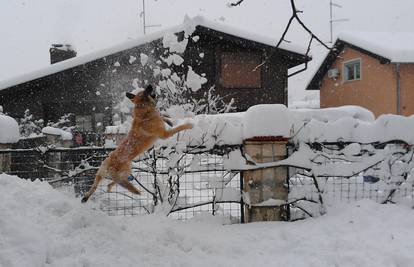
[338, 47]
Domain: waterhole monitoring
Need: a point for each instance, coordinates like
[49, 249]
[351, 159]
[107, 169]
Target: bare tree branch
[293, 17]
[238, 3]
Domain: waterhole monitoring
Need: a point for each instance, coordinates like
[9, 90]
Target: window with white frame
[352, 70]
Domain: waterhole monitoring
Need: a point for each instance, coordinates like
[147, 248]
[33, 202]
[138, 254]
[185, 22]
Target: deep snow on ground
[40, 226]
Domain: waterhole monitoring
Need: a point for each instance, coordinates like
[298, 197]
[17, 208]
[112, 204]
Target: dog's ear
[130, 95]
[149, 90]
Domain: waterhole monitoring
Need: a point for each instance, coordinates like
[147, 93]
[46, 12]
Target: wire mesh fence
[191, 183]
[382, 172]
[196, 190]
[154, 175]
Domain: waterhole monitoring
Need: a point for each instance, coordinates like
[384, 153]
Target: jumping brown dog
[147, 127]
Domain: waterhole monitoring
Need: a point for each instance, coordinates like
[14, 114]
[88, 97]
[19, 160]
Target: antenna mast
[144, 23]
[331, 20]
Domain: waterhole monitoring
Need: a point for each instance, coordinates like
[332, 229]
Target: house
[373, 70]
[89, 86]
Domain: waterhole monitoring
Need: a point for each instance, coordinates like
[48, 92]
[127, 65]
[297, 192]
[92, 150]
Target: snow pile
[313, 104]
[40, 226]
[333, 114]
[385, 128]
[266, 120]
[210, 130]
[9, 130]
[56, 131]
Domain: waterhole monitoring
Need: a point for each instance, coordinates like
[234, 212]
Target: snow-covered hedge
[346, 124]
[9, 130]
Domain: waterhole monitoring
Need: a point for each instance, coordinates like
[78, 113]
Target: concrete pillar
[5, 159]
[266, 188]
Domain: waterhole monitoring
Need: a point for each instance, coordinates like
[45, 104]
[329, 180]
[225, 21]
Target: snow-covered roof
[398, 47]
[188, 22]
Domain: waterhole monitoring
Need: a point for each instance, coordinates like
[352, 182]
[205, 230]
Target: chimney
[61, 52]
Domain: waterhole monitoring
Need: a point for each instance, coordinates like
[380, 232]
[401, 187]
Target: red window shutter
[240, 70]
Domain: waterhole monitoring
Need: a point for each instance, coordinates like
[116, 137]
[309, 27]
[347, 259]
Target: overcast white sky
[28, 27]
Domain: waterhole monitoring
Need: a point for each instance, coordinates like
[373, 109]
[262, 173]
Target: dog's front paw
[189, 126]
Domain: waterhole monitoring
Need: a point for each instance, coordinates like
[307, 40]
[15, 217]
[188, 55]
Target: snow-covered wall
[9, 130]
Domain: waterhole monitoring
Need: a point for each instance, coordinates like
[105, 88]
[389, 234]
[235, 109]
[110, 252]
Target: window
[99, 122]
[240, 70]
[352, 70]
[84, 123]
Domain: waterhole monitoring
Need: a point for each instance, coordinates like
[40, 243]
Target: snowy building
[374, 70]
[87, 86]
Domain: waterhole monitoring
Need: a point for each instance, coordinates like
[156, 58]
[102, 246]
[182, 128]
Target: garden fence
[174, 185]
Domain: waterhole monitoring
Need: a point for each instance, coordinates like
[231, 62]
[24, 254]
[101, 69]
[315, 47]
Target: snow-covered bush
[62, 128]
[29, 126]
[64, 123]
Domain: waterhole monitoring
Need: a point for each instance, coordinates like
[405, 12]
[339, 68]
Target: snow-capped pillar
[265, 131]
[9, 134]
[265, 189]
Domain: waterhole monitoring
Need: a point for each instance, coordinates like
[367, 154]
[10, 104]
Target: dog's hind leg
[98, 179]
[110, 185]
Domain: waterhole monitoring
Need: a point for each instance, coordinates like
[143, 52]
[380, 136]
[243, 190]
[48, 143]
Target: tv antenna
[144, 23]
[331, 20]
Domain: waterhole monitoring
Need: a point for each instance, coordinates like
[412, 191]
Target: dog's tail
[98, 179]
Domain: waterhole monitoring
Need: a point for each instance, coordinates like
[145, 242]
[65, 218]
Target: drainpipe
[397, 72]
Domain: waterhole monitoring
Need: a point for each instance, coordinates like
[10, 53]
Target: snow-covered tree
[65, 123]
[29, 126]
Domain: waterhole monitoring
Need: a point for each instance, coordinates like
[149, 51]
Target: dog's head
[144, 97]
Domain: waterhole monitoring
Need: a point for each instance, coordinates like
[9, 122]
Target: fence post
[5, 159]
[266, 188]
